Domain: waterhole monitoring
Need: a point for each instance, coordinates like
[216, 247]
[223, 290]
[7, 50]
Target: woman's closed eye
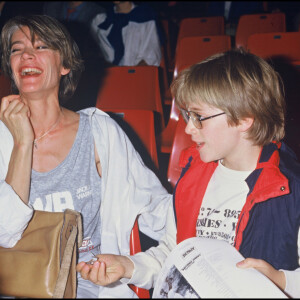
[14, 50]
[41, 47]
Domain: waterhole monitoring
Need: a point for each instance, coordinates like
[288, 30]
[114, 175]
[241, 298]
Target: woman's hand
[107, 269]
[265, 268]
[15, 114]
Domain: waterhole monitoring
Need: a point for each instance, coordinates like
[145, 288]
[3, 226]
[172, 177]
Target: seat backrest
[5, 89]
[258, 23]
[266, 45]
[180, 142]
[135, 247]
[139, 127]
[194, 49]
[131, 88]
[167, 135]
[201, 26]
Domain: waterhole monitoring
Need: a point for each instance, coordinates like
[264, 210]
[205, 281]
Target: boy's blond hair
[240, 84]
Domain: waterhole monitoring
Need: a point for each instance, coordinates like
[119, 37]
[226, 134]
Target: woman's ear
[64, 71]
[245, 124]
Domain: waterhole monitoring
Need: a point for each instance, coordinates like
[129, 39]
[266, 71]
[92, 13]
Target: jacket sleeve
[292, 287]
[129, 189]
[14, 216]
[149, 45]
[148, 264]
[100, 36]
[292, 283]
[14, 213]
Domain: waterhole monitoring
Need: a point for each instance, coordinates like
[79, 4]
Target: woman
[52, 158]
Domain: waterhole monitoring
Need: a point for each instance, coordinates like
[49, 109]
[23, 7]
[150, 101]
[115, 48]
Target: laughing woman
[52, 158]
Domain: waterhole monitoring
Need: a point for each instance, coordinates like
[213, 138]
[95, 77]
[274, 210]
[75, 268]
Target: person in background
[127, 34]
[239, 183]
[52, 158]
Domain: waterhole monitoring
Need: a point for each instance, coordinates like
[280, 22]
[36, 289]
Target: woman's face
[35, 67]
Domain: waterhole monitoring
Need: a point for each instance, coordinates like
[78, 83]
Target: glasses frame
[187, 115]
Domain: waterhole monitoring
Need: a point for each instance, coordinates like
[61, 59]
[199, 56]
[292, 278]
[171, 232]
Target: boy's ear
[245, 124]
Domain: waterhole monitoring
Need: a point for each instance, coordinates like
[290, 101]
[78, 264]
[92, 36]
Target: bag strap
[79, 224]
[79, 228]
[65, 265]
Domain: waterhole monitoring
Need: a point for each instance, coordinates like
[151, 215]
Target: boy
[239, 182]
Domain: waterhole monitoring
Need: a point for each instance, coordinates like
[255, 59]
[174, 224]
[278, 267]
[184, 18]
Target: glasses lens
[196, 119]
[185, 115]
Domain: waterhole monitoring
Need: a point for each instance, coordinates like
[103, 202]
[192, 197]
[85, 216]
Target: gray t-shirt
[75, 184]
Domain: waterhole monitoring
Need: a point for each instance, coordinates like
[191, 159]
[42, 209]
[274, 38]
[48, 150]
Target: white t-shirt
[223, 201]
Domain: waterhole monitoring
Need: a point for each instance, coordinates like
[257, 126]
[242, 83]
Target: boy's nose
[190, 127]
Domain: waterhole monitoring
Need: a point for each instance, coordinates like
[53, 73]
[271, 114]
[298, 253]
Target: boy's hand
[265, 268]
[107, 269]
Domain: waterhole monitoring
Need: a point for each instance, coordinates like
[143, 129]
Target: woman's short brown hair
[56, 37]
[240, 84]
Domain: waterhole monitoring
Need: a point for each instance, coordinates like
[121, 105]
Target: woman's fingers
[6, 101]
[14, 107]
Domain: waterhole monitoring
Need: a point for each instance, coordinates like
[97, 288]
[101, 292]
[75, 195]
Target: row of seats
[247, 25]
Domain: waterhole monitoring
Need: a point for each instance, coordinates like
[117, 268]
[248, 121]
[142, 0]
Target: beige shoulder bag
[42, 263]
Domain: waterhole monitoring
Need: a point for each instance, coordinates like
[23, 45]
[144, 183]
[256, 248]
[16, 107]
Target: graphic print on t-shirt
[56, 202]
[217, 224]
[59, 201]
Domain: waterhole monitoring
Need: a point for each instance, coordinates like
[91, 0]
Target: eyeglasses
[196, 119]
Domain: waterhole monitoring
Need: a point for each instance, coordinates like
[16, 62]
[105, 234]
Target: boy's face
[216, 139]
